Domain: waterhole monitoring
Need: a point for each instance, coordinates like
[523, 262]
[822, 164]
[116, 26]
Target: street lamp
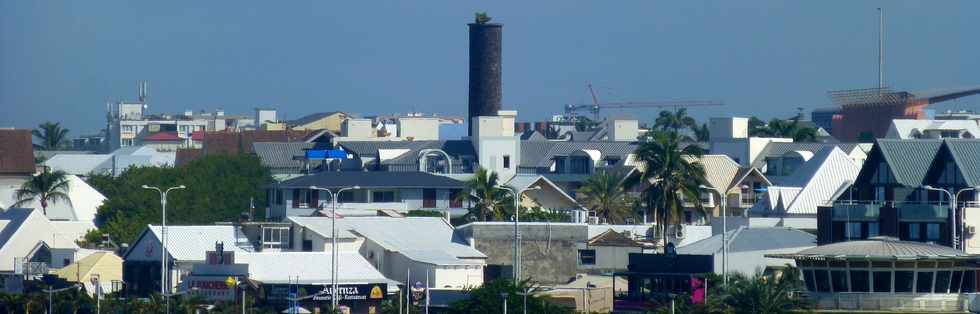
[724, 231]
[163, 235]
[51, 293]
[952, 207]
[333, 247]
[517, 231]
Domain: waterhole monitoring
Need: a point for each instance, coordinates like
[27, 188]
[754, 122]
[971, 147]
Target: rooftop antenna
[881, 49]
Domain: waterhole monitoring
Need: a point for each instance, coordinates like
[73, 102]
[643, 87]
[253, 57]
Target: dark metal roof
[280, 154]
[909, 160]
[966, 154]
[880, 248]
[454, 148]
[372, 179]
[539, 154]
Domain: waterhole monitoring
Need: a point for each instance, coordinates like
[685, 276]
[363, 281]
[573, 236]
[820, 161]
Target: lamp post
[952, 207]
[334, 269]
[51, 293]
[163, 235]
[517, 231]
[724, 232]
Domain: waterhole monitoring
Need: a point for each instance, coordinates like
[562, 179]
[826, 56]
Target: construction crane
[572, 109]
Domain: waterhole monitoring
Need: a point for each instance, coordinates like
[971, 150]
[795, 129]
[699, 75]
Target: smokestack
[485, 68]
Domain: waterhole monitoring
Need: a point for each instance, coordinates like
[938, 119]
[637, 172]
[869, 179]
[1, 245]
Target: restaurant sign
[353, 292]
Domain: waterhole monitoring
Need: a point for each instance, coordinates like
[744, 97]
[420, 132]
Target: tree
[605, 194]
[51, 135]
[791, 128]
[129, 208]
[702, 133]
[672, 175]
[488, 200]
[45, 187]
[489, 298]
[771, 293]
[674, 120]
[583, 123]
[482, 18]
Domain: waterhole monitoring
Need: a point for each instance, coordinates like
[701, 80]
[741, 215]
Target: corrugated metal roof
[909, 160]
[882, 248]
[191, 243]
[814, 183]
[539, 154]
[309, 267]
[910, 129]
[752, 239]
[966, 154]
[367, 149]
[719, 170]
[373, 179]
[777, 149]
[280, 154]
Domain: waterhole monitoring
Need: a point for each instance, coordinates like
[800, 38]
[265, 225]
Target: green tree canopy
[488, 200]
[605, 194]
[219, 188]
[489, 298]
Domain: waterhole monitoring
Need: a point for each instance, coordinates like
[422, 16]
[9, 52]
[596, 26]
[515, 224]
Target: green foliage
[489, 298]
[540, 215]
[425, 213]
[488, 200]
[218, 189]
[790, 128]
[482, 18]
[605, 194]
[583, 123]
[674, 120]
[50, 135]
[672, 174]
[46, 187]
[702, 133]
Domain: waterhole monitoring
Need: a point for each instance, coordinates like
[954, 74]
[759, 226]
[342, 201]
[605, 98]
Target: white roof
[908, 128]
[78, 164]
[812, 184]
[21, 230]
[85, 200]
[424, 239]
[719, 170]
[309, 267]
[191, 243]
[85, 164]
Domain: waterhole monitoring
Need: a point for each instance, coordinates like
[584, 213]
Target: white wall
[624, 130]
[971, 218]
[418, 128]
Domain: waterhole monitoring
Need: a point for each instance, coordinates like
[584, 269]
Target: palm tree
[790, 128]
[674, 121]
[673, 176]
[604, 193]
[51, 135]
[45, 187]
[701, 133]
[766, 293]
[484, 193]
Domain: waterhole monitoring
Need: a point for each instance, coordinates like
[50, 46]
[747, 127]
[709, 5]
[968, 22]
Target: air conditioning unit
[593, 220]
[971, 230]
[679, 231]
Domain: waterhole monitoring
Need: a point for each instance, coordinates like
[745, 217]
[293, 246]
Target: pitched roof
[880, 248]
[369, 149]
[540, 153]
[309, 267]
[16, 152]
[777, 149]
[909, 160]
[812, 184]
[373, 179]
[752, 239]
[966, 154]
[280, 154]
[909, 128]
[106, 265]
[719, 170]
[612, 238]
[313, 117]
[191, 243]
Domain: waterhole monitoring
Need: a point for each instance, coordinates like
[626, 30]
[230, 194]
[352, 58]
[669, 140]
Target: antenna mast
[881, 48]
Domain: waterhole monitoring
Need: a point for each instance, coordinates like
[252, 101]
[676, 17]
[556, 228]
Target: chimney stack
[485, 68]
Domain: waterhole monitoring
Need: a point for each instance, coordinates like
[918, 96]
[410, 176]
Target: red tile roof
[16, 152]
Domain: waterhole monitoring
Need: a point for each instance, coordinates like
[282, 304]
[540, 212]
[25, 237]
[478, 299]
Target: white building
[398, 246]
[30, 245]
[932, 129]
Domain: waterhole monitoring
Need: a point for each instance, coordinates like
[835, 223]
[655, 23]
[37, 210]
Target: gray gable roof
[16, 216]
[455, 148]
[909, 160]
[752, 239]
[372, 179]
[280, 154]
[966, 154]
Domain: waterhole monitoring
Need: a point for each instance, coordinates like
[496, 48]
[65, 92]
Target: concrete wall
[357, 128]
[608, 258]
[728, 128]
[418, 128]
[550, 253]
[624, 130]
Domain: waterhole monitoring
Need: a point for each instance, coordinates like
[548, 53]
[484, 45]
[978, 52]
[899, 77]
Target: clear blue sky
[61, 61]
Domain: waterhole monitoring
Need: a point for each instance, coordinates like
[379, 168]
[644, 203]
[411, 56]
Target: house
[186, 246]
[85, 201]
[742, 187]
[286, 158]
[782, 159]
[405, 156]
[569, 164]
[103, 268]
[397, 246]
[932, 129]
[539, 193]
[29, 246]
[792, 201]
[330, 121]
[401, 192]
[747, 248]
[607, 252]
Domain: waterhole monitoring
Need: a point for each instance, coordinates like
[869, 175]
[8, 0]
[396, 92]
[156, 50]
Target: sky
[63, 60]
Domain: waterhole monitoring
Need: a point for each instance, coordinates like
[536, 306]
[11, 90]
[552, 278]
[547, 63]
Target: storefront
[656, 278]
[360, 298]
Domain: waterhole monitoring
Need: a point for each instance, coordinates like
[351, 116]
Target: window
[914, 232]
[880, 193]
[275, 237]
[932, 232]
[307, 245]
[969, 284]
[586, 257]
[823, 280]
[873, 230]
[924, 283]
[428, 198]
[279, 197]
[580, 165]
[345, 197]
[903, 281]
[296, 198]
[506, 161]
[882, 281]
[808, 280]
[383, 197]
[455, 202]
[942, 281]
[954, 282]
[859, 281]
[612, 160]
[560, 164]
[66, 262]
[853, 230]
[839, 279]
